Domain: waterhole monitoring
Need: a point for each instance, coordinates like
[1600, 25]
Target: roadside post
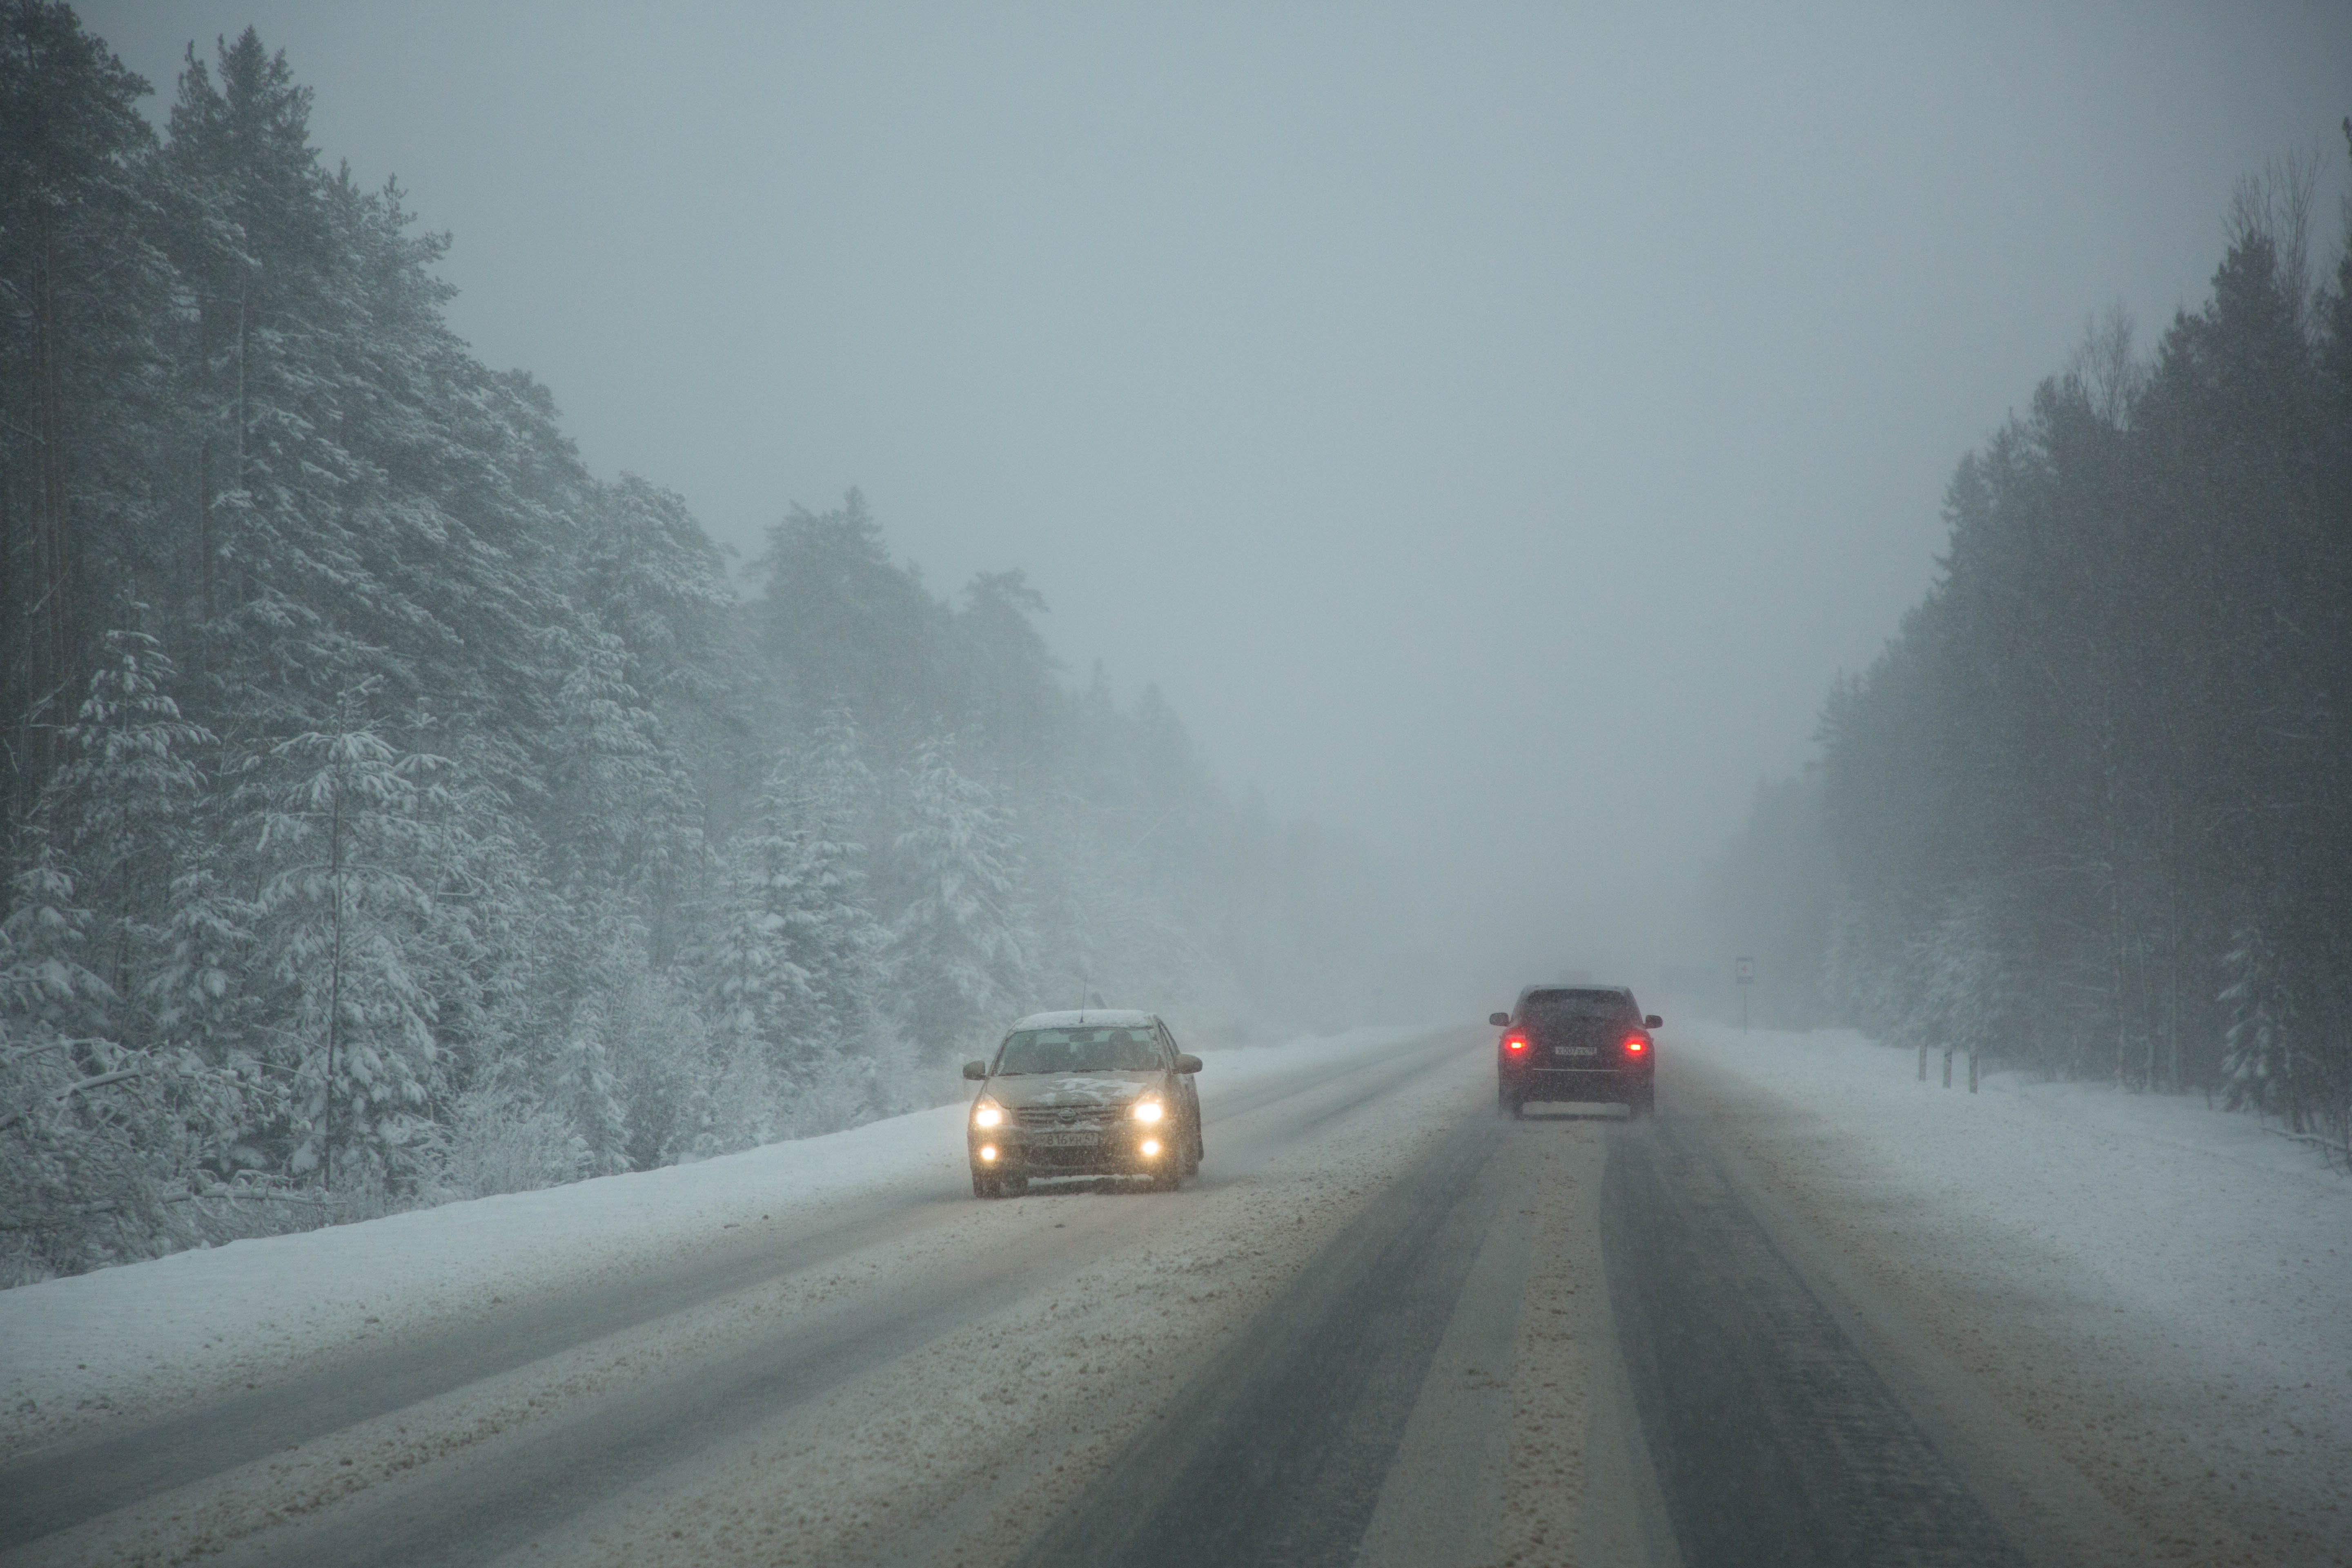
[1743, 973]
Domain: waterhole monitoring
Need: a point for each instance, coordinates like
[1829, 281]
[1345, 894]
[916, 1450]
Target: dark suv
[1586, 1043]
[1083, 1094]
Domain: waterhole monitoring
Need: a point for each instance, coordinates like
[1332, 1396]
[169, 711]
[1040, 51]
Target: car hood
[1054, 1091]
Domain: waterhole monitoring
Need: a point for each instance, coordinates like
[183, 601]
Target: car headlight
[986, 1112]
[1149, 1110]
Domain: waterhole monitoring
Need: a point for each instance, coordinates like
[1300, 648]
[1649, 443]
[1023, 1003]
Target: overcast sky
[1493, 426]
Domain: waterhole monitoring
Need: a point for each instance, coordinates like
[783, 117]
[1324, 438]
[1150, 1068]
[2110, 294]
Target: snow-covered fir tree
[759, 991]
[958, 956]
[350, 832]
[797, 969]
[835, 933]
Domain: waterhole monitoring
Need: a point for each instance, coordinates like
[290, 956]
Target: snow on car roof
[1116, 1018]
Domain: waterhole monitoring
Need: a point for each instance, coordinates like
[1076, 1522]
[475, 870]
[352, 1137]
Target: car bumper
[1114, 1151]
[1597, 1086]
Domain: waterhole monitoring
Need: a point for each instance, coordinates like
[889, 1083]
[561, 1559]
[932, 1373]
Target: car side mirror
[1501, 1020]
[1187, 1063]
[1653, 1022]
[975, 1070]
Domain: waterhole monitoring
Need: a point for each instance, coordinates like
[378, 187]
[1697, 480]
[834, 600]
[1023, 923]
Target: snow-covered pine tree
[352, 832]
[123, 807]
[664, 1061]
[622, 816]
[200, 1001]
[586, 1089]
[2259, 1064]
[764, 1001]
[844, 623]
[1008, 673]
[624, 833]
[959, 957]
[653, 580]
[79, 1176]
[1973, 983]
[835, 935]
[87, 934]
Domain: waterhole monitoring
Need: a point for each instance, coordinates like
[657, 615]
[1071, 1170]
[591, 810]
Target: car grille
[1092, 1158]
[1049, 1119]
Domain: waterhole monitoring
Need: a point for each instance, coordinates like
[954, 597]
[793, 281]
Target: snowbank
[147, 1334]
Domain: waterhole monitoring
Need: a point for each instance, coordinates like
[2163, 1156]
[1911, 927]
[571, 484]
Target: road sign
[1743, 970]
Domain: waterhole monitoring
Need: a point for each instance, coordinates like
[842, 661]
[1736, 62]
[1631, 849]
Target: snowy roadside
[133, 1340]
[2155, 1289]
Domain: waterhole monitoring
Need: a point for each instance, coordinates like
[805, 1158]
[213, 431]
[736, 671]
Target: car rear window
[1079, 1050]
[1565, 1007]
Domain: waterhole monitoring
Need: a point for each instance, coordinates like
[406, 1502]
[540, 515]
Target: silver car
[1089, 1093]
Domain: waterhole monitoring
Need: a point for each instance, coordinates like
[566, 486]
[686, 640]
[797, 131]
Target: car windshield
[1110, 1050]
[1565, 1007]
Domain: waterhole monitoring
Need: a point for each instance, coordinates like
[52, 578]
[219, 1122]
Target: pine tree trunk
[15, 666]
[55, 550]
[204, 523]
[335, 973]
[243, 339]
[243, 481]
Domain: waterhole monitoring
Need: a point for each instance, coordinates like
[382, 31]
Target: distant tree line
[392, 810]
[2092, 809]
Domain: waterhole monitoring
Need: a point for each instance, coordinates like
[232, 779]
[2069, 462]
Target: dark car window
[1546, 1007]
[1080, 1050]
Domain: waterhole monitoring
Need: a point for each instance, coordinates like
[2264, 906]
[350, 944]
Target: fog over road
[1384, 1326]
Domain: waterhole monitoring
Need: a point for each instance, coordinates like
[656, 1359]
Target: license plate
[1065, 1139]
[1576, 1050]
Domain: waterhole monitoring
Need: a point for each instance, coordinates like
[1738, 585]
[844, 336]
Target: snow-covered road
[1814, 1310]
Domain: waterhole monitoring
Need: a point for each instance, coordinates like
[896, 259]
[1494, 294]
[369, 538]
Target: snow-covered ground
[145, 1336]
[2159, 1290]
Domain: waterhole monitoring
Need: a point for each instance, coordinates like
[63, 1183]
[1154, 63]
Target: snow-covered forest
[396, 811]
[2091, 811]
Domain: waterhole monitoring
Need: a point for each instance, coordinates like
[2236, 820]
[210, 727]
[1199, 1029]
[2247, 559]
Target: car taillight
[1515, 1042]
[1635, 1044]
